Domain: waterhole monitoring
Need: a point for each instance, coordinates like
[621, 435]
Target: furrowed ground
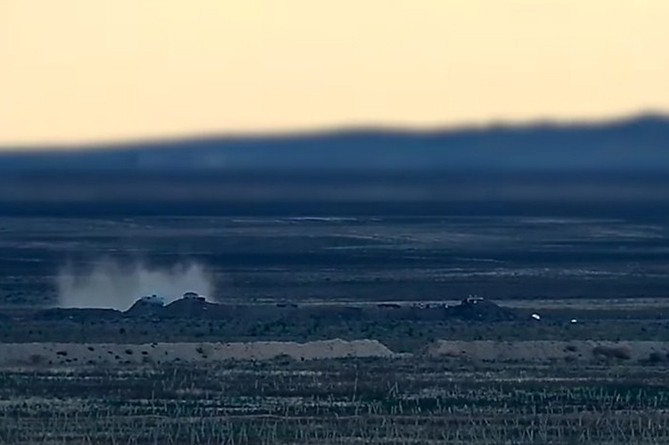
[371, 401]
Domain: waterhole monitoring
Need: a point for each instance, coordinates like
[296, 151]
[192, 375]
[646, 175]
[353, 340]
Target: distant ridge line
[637, 143]
[546, 124]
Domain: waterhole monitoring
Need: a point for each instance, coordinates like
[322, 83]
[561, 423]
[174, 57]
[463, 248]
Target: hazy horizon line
[335, 129]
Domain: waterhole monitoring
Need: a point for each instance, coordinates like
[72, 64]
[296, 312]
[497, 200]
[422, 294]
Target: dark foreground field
[379, 401]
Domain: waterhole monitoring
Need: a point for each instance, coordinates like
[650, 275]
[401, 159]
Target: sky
[86, 71]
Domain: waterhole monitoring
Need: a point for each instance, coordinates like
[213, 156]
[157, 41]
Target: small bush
[36, 359]
[612, 352]
[655, 358]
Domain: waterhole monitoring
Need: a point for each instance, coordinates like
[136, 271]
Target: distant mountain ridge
[635, 144]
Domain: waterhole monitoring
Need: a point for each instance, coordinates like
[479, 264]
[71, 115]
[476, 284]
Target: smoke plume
[116, 285]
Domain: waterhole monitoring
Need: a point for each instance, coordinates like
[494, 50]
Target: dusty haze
[116, 285]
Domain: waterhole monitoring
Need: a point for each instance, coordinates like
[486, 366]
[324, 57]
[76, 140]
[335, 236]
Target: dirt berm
[550, 351]
[12, 354]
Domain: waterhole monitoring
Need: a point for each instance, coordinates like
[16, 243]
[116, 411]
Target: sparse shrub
[36, 359]
[283, 359]
[612, 352]
[655, 358]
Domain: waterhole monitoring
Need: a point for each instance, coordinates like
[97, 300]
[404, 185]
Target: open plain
[519, 322]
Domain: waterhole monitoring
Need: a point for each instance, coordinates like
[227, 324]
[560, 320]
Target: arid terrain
[435, 397]
[469, 372]
[353, 327]
[357, 222]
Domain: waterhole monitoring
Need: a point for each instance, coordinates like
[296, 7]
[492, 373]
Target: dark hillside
[641, 143]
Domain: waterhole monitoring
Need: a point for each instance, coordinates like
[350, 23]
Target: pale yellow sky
[74, 71]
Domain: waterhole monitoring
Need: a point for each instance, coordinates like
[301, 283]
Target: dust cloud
[117, 285]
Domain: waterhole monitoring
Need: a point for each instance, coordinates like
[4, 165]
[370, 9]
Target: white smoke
[116, 285]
